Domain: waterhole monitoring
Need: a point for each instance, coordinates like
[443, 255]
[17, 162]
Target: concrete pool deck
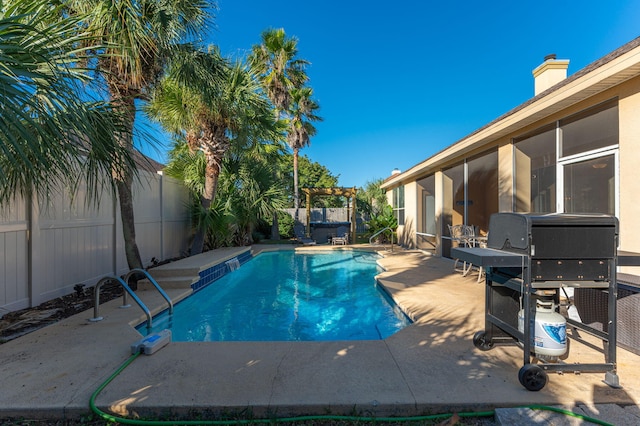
[430, 367]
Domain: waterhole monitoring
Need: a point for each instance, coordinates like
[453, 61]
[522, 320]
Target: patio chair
[301, 238]
[479, 241]
[341, 240]
[464, 236]
[342, 236]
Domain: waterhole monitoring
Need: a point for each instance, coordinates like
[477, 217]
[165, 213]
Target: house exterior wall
[506, 164]
[496, 136]
[629, 112]
[440, 209]
[72, 242]
[407, 232]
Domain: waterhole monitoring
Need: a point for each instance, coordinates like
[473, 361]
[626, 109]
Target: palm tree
[280, 72]
[302, 111]
[212, 115]
[254, 192]
[49, 132]
[371, 199]
[138, 37]
[188, 165]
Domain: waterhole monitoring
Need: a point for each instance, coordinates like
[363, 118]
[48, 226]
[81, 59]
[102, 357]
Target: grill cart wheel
[532, 377]
[480, 341]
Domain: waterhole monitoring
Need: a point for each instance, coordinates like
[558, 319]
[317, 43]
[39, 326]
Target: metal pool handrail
[96, 301]
[155, 284]
[380, 232]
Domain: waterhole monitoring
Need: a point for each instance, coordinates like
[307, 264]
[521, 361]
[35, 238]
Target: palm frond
[47, 132]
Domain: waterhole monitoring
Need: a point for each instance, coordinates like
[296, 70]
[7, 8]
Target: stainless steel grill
[529, 254]
[560, 247]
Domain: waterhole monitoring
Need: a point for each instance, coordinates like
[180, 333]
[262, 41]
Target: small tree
[383, 219]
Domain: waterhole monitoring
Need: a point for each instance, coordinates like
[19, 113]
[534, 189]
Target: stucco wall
[407, 232]
[629, 115]
[628, 94]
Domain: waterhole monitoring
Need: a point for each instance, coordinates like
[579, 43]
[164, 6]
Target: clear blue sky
[399, 81]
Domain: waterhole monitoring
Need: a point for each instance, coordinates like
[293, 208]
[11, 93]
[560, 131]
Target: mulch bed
[18, 323]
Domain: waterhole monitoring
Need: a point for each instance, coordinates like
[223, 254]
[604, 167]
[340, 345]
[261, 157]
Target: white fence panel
[175, 216]
[73, 242]
[14, 290]
[147, 212]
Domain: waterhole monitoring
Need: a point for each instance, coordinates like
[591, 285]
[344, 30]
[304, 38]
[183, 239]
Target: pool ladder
[380, 232]
[128, 290]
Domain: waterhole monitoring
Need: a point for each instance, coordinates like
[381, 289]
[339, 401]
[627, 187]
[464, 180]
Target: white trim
[590, 155]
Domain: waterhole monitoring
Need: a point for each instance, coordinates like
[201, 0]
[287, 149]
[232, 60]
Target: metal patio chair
[298, 230]
[464, 236]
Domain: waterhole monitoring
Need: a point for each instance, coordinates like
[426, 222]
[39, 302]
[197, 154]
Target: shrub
[285, 225]
[384, 219]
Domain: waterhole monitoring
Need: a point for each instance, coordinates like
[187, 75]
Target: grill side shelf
[627, 258]
[487, 257]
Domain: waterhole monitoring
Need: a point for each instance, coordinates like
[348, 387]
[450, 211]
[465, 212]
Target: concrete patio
[430, 367]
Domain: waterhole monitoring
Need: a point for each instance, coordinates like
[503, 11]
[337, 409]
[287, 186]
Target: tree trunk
[214, 151]
[296, 192]
[124, 182]
[198, 239]
[275, 229]
[128, 224]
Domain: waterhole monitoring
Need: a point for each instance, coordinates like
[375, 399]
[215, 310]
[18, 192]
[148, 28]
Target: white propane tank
[550, 330]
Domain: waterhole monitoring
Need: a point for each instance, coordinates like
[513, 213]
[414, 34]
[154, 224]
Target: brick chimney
[551, 72]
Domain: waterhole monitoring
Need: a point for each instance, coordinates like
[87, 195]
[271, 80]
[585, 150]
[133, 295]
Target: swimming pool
[289, 296]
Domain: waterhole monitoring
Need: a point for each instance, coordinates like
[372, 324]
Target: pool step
[165, 272]
[169, 282]
[171, 278]
[185, 272]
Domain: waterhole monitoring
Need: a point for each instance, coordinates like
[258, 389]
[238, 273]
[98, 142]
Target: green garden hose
[124, 420]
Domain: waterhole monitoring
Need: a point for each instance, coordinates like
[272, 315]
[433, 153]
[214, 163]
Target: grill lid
[508, 231]
[558, 233]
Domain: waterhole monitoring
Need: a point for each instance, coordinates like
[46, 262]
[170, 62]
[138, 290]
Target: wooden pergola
[349, 193]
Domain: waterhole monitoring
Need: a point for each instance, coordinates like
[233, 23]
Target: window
[398, 204]
[589, 186]
[426, 235]
[569, 166]
[589, 130]
[453, 195]
[453, 203]
[535, 172]
[482, 190]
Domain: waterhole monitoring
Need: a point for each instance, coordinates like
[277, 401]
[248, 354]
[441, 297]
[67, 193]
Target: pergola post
[353, 216]
[307, 229]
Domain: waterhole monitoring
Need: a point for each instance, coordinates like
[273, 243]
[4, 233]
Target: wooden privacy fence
[47, 249]
[329, 214]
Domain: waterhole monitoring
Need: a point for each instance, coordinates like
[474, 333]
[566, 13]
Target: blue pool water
[289, 296]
